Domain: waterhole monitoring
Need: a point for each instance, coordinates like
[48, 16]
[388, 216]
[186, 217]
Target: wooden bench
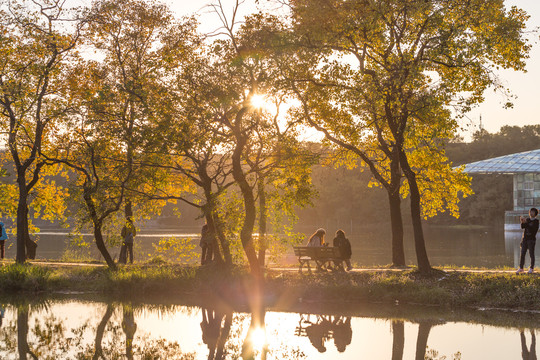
[323, 256]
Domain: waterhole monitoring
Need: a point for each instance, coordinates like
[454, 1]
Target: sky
[491, 114]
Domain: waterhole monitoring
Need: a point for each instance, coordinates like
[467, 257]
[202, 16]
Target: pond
[479, 247]
[82, 328]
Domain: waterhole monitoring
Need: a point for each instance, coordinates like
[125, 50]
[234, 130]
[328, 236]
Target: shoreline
[448, 288]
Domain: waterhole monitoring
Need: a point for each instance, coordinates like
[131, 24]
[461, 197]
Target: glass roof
[524, 162]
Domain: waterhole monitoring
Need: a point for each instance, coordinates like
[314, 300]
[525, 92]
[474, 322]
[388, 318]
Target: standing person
[317, 239]
[344, 245]
[528, 241]
[206, 244]
[128, 234]
[3, 238]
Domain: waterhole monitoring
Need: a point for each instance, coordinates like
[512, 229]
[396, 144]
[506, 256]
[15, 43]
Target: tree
[36, 40]
[262, 144]
[143, 48]
[412, 62]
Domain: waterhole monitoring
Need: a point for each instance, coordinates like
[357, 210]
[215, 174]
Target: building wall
[526, 191]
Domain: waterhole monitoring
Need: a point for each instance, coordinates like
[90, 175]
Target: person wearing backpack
[128, 235]
[3, 238]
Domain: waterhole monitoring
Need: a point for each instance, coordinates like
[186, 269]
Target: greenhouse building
[525, 168]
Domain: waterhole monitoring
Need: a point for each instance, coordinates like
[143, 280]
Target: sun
[259, 101]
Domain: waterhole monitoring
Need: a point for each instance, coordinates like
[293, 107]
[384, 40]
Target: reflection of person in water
[318, 333]
[342, 333]
[525, 353]
[129, 327]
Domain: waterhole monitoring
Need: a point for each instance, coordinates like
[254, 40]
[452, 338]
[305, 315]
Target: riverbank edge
[447, 288]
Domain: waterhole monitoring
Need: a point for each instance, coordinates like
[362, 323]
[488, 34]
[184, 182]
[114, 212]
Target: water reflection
[255, 345]
[528, 353]
[22, 332]
[129, 327]
[98, 353]
[321, 328]
[75, 329]
[215, 328]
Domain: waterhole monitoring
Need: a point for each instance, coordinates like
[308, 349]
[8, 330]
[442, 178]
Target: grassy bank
[445, 288]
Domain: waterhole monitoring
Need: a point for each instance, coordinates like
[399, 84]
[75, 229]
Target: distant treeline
[345, 198]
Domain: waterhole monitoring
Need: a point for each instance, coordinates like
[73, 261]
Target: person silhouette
[342, 332]
[129, 326]
[318, 333]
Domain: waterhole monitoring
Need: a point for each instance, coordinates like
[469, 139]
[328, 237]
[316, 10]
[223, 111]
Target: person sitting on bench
[317, 240]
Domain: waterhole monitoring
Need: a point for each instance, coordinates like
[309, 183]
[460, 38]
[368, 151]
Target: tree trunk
[398, 252]
[21, 223]
[98, 236]
[216, 241]
[246, 233]
[218, 227]
[26, 248]
[419, 242]
[30, 245]
[263, 215]
[100, 243]
[394, 199]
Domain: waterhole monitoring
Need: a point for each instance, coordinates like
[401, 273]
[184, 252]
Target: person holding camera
[528, 241]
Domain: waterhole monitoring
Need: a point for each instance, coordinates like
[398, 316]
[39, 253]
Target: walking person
[344, 245]
[528, 241]
[128, 236]
[3, 238]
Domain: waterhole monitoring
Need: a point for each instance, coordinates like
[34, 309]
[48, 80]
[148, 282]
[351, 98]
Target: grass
[447, 287]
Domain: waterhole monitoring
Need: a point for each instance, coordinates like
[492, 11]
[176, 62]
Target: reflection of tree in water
[22, 332]
[98, 353]
[48, 338]
[422, 350]
[214, 335]
[525, 352]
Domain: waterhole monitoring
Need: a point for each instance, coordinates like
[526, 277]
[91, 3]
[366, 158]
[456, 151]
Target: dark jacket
[530, 227]
[128, 233]
[344, 246]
